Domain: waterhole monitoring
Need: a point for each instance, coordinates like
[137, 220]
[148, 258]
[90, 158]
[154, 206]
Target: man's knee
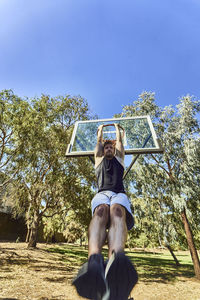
[102, 211]
[117, 210]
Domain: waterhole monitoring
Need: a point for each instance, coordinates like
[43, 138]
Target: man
[111, 211]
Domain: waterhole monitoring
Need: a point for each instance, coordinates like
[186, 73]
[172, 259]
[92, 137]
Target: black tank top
[109, 175]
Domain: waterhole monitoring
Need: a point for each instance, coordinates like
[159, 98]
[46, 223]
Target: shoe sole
[121, 277]
[89, 283]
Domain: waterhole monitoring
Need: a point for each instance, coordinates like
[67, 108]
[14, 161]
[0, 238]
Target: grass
[47, 272]
[151, 265]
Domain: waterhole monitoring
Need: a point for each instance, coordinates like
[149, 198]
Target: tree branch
[159, 164]
[8, 180]
[57, 212]
[3, 144]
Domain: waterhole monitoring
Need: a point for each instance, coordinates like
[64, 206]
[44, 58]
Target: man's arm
[119, 143]
[98, 152]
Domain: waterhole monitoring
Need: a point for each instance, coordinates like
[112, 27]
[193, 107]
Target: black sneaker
[90, 281]
[121, 276]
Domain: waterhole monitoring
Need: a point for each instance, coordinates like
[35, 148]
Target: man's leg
[117, 234]
[90, 281]
[97, 229]
[121, 275]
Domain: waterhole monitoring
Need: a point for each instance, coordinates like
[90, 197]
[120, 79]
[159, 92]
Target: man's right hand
[100, 128]
[100, 134]
[98, 152]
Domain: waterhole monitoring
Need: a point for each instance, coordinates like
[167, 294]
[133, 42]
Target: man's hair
[112, 142]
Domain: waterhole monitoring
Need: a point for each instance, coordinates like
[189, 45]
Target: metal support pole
[136, 157]
[91, 158]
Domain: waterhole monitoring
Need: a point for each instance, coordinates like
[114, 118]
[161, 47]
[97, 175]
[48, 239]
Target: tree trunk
[28, 234]
[191, 244]
[173, 255]
[28, 225]
[34, 231]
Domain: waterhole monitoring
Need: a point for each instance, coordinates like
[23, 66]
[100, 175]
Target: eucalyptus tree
[11, 106]
[155, 225]
[174, 176]
[46, 182]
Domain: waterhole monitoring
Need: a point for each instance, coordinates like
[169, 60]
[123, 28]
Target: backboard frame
[157, 149]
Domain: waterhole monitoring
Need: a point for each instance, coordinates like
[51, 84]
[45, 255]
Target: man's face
[109, 151]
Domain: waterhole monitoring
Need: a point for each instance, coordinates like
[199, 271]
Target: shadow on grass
[50, 267]
[71, 255]
[151, 266]
[7, 277]
[52, 279]
[38, 265]
[5, 269]
[160, 269]
[8, 299]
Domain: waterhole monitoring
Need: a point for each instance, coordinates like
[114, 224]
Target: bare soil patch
[42, 275]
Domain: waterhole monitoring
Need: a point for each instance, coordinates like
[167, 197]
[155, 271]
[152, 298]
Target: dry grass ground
[46, 273]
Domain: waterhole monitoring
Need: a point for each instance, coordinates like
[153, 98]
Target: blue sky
[104, 50]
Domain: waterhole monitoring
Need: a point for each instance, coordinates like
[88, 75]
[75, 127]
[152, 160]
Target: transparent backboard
[138, 136]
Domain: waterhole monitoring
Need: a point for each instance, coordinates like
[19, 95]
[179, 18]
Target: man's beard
[109, 155]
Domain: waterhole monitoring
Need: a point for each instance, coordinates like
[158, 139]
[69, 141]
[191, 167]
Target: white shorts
[110, 198]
